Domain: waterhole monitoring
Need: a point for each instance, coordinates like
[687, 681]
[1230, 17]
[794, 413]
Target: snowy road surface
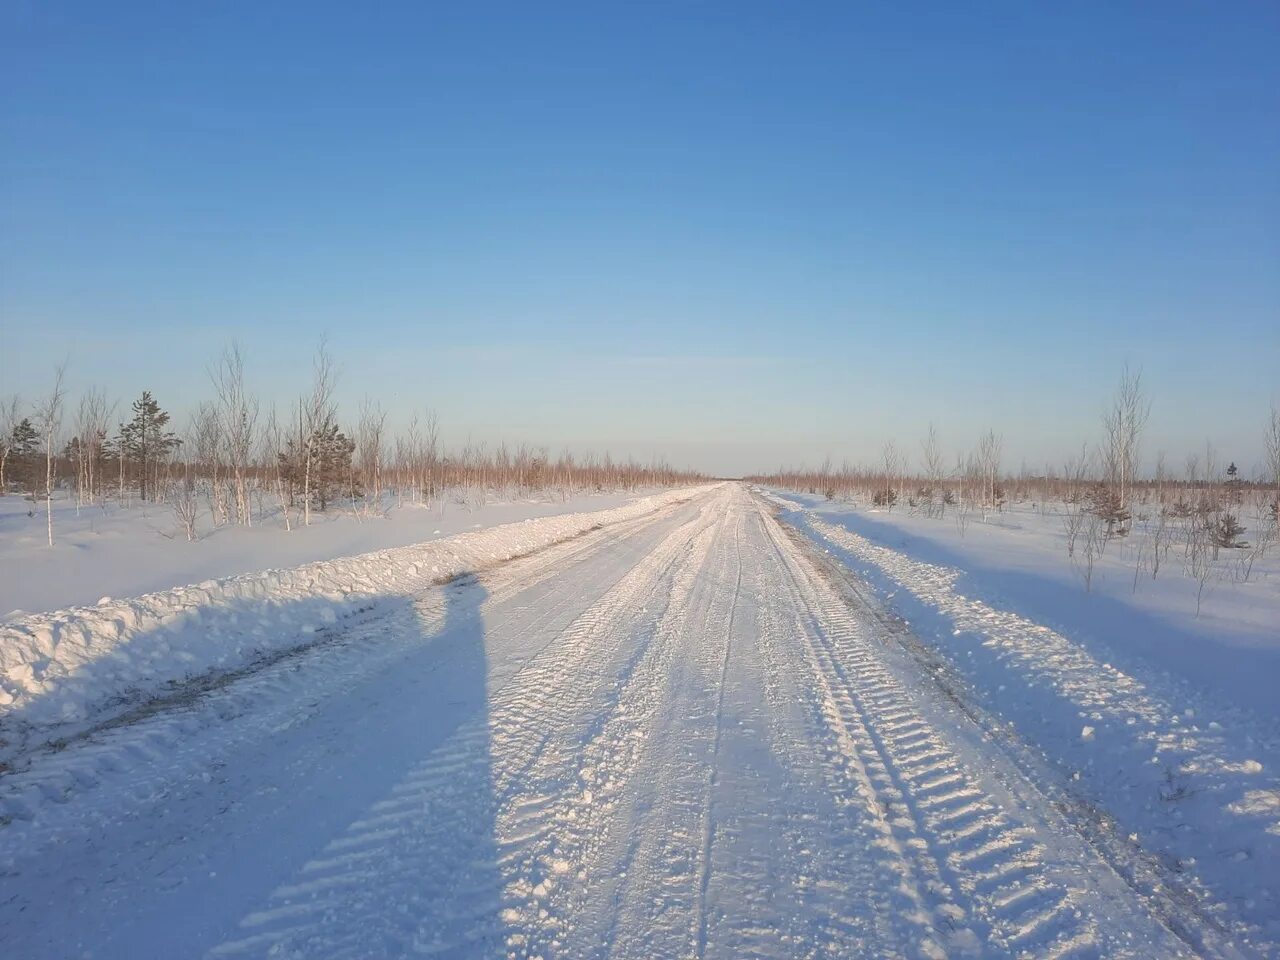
[673, 736]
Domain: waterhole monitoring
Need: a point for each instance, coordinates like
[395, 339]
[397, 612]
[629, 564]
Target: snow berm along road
[673, 735]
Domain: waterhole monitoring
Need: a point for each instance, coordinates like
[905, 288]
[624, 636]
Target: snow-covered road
[678, 735]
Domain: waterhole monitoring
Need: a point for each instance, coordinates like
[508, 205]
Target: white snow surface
[63, 669]
[127, 551]
[1164, 724]
[686, 731]
[1018, 561]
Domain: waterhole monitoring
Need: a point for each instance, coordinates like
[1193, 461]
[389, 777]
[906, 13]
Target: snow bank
[129, 551]
[1183, 770]
[1018, 562]
[72, 666]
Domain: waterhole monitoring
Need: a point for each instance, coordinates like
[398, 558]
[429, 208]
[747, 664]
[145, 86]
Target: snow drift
[73, 667]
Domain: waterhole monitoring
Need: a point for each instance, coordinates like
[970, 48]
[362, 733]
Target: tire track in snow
[589, 679]
[649, 908]
[690, 745]
[1147, 745]
[793, 872]
[982, 866]
[709, 819]
[140, 758]
[468, 880]
[914, 891]
[589, 782]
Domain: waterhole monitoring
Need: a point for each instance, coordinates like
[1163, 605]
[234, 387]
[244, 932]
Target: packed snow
[1018, 560]
[711, 723]
[62, 670]
[1161, 721]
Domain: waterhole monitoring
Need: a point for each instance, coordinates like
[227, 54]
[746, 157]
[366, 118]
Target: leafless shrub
[1095, 539]
[185, 502]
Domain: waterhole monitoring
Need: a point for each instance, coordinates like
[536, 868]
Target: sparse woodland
[235, 463]
[1204, 519]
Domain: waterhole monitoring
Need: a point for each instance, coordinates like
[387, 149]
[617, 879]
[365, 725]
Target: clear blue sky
[740, 234]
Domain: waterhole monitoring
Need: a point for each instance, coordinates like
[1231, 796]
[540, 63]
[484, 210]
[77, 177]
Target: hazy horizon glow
[734, 236]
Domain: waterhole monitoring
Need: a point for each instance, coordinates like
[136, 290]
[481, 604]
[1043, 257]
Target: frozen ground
[684, 732]
[110, 551]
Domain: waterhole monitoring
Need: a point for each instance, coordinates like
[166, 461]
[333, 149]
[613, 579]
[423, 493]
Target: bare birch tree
[204, 437]
[318, 411]
[237, 412]
[186, 504]
[1074, 511]
[93, 418]
[1124, 423]
[891, 460]
[272, 444]
[370, 449]
[48, 416]
[989, 454]
[933, 471]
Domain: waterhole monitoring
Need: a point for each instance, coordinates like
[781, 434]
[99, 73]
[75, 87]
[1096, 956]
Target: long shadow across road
[415, 871]
[361, 825]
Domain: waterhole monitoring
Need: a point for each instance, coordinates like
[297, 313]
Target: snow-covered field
[1165, 724]
[674, 729]
[1017, 560]
[123, 552]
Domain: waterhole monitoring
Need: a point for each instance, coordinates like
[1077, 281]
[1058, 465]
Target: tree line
[1100, 493]
[234, 463]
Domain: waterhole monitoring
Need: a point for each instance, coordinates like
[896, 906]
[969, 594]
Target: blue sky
[738, 234]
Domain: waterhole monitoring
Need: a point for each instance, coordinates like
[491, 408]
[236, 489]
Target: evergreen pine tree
[330, 451]
[24, 444]
[1234, 483]
[145, 441]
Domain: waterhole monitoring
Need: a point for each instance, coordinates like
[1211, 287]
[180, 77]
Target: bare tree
[1094, 542]
[48, 416]
[1159, 540]
[1200, 559]
[370, 447]
[1162, 476]
[1077, 468]
[430, 454]
[989, 453]
[1123, 424]
[1273, 460]
[237, 413]
[893, 468]
[92, 421]
[318, 411]
[933, 471]
[272, 445]
[186, 505]
[963, 471]
[204, 440]
[10, 416]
